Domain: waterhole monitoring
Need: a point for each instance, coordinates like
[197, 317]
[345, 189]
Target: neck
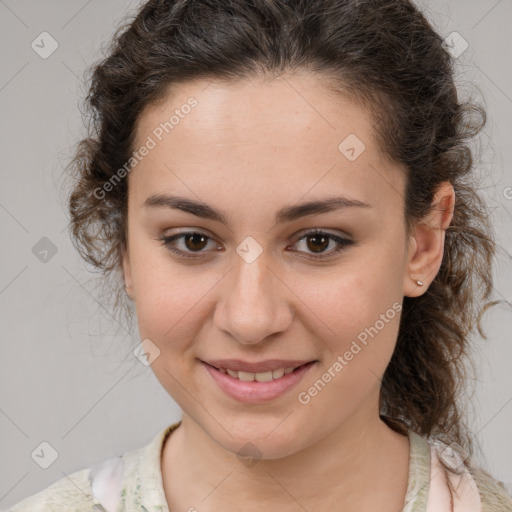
[337, 470]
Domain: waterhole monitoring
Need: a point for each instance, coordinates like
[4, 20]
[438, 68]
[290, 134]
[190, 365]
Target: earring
[420, 283]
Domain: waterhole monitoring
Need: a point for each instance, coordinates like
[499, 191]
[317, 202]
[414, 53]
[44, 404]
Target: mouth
[265, 376]
[257, 387]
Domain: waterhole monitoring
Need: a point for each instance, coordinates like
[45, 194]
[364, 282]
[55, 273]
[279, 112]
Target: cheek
[168, 308]
[165, 294]
[355, 312]
[351, 297]
[360, 325]
[174, 302]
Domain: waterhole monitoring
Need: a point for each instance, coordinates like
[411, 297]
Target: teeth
[246, 376]
[259, 377]
[263, 376]
[277, 374]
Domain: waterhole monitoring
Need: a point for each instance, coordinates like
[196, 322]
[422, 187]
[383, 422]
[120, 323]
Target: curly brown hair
[384, 55]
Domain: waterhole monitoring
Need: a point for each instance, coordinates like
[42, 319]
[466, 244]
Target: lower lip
[257, 392]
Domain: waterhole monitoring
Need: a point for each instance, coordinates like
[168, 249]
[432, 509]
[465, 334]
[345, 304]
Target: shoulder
[70, 493]
[451, 483]
[82, 490]
[493, 495]
[127, 479]
[473, 487]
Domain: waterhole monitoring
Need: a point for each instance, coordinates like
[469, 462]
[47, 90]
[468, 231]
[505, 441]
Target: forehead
[263, 110]
[289, 134]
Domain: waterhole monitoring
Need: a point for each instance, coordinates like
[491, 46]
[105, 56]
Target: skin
[250, 148]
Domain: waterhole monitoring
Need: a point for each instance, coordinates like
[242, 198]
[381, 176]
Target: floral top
[133, 482]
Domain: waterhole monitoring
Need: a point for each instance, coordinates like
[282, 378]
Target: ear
[426, 244]
[127, 272]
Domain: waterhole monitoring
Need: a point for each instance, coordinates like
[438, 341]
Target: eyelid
[343, 240]
[167, 239]
[322, 231]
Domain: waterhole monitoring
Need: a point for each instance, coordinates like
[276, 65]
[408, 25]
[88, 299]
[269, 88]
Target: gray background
[66, 376]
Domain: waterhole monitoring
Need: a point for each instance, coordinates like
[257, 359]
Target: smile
[257, 387]
[259, 377]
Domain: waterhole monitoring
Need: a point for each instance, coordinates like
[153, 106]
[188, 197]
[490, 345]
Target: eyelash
[343, 243]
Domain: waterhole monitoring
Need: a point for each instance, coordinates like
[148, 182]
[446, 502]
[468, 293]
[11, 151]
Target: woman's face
[254, 284]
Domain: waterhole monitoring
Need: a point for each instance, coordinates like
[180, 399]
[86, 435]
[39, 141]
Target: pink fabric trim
[466, 497]
[106, 483]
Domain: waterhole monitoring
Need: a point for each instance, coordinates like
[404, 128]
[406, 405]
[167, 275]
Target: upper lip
[268, 365]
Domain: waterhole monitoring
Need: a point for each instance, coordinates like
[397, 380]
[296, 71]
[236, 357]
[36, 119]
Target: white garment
[106, 484]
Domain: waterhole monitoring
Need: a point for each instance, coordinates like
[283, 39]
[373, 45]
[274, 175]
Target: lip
[268, 365]
[257, 392]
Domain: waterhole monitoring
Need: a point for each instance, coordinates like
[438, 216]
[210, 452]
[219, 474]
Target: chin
[268, 439]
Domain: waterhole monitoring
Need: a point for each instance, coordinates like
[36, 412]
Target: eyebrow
[286, 214]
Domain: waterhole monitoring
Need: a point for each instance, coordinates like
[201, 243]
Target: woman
[284, 187]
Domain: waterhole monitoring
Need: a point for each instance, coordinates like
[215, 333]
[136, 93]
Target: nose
[253, 302]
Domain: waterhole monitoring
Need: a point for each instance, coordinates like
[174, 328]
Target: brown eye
[318, 241]
[195, 241]
[191, 242]
[194, 244]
